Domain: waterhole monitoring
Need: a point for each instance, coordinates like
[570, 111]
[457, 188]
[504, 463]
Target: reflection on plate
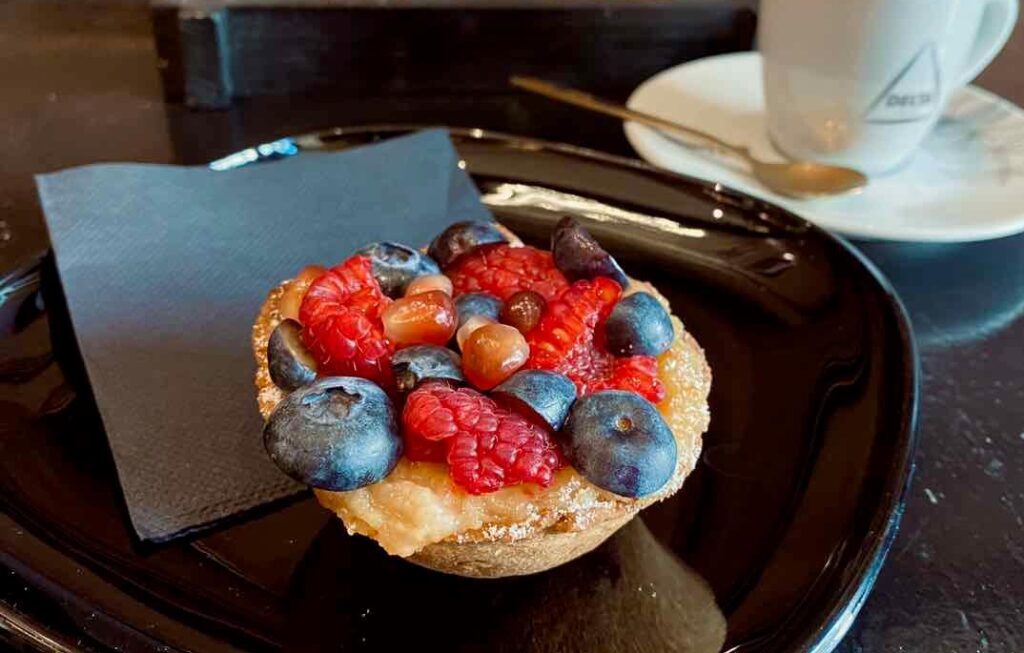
[631, 594]
[965, 183]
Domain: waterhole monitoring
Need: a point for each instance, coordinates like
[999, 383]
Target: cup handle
[997, 23]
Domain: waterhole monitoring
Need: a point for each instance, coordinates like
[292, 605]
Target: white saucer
[965, 183]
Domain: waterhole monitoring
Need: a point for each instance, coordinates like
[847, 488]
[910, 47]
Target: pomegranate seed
[492, 353]
[425, 318]
[523, 310]
[429, 282]
[296, 289]
[472, 324]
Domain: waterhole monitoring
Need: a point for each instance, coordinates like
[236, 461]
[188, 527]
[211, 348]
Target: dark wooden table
[80, 85]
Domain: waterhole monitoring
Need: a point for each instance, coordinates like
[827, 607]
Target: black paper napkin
[164, 269]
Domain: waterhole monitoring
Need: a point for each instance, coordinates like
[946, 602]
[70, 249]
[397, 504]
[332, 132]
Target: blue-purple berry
[619, 441]
[579, 256]
[339, 433]
[290, 365]
[549, 395]
[478, 303]
[638, 326]
[413, 365]
[463, 237]
[395, 265]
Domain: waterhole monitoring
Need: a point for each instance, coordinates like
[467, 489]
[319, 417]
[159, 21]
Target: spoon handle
[587, 101]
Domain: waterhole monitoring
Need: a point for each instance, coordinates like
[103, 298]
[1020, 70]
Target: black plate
[787, 517]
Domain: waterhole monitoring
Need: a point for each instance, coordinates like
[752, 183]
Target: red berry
[503, 270]
[337, 286]
[421, 450]
[564, 341]
[340, 314]
[566, 329]
[637, 374]
[486, 445]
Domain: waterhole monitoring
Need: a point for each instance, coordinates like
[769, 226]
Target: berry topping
[296, 289]
[429, 282]
[546, 394]
[426, 318]
[462, 237]
[478, 303]
[395, 265]
[564, 337]
[523, 310]
[579, 256]
[340, 314]
[638, 325]
[418, 363]
[290, 364]
[620, 442]
[340, 286]
[339, 433]
[637, 374]
[492, 353]
[563, 341]
[503, 270]
[422, 450]
[486, 446]
[467, 329]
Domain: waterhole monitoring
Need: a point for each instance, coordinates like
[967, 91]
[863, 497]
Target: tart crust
[418, 513]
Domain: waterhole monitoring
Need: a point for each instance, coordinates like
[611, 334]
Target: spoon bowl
[797, 179]
[807, 179]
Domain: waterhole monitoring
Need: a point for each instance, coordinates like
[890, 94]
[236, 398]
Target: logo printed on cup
[861, 83]
[913, 94]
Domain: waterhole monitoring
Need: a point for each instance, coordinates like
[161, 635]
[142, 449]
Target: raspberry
[564, 341]
[564, 337]
[487, 446]
[340, 314]
[503, 270]
[637, 374]
[338, 285]
[421, 449]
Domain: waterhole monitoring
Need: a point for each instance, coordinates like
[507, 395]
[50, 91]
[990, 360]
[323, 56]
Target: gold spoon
[799, 179]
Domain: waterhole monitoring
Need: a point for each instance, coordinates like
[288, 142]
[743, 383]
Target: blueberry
[339, 433]
[579, 256]
[619, 442]
[478, 303]
[548, 394]
[461, 237]
[421, 362]
[638, 326]
[291, 365]
[395, 265]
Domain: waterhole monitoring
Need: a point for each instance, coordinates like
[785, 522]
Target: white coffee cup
[862, 82]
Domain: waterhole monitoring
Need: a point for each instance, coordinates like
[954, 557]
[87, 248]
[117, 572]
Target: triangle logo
[914, 93]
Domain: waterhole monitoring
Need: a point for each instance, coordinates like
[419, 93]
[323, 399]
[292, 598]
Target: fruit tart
[483, 408]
